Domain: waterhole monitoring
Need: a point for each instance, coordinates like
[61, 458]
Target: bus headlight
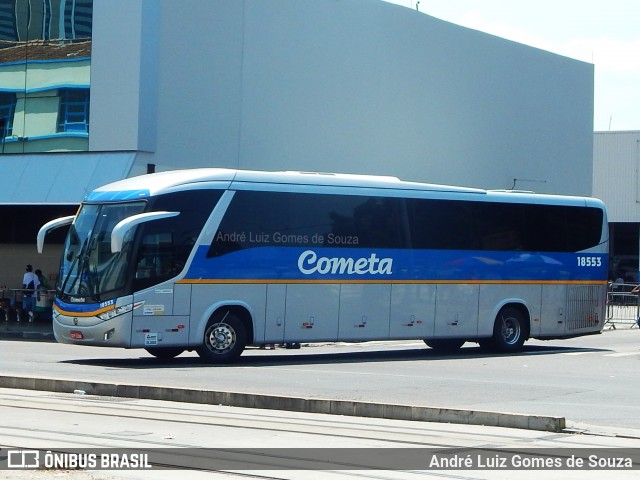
[115, 312]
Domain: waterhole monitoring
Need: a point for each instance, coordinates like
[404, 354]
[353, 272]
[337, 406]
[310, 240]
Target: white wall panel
[616, 164]
[348, 86]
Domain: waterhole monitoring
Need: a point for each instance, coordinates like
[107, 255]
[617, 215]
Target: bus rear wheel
[509, 332]
[447, 345]
[224, 338]
[165, 353]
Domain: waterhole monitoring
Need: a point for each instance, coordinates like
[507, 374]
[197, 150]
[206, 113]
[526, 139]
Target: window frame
[7, 112]
[74, 102]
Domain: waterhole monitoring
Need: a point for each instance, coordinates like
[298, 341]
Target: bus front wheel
[509, 331]
[224, 338]
[165, 353]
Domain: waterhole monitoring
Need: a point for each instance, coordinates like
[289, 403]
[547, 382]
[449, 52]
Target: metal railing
[623, 305]
[11, 300]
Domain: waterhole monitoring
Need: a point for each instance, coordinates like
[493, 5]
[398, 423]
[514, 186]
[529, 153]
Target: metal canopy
[66, 178]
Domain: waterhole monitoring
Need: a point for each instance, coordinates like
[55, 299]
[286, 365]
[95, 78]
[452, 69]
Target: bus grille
[585, 306]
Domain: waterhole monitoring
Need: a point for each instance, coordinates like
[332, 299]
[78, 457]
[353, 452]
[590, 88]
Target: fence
[623, 305]
[11, 300]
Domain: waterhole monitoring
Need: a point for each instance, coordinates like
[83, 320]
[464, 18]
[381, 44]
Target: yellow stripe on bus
[92, 313]
[378, 282]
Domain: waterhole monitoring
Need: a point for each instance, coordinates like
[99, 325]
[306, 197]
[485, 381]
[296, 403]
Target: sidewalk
[38, 331]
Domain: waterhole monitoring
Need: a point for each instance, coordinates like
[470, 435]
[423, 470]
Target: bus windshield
[152, 252]
[88, 267]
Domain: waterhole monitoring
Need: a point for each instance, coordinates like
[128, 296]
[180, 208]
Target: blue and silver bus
[214, 260]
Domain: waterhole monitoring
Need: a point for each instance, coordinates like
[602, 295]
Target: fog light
[109, 333]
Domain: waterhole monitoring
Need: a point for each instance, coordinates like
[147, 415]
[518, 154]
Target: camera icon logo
[23, 459]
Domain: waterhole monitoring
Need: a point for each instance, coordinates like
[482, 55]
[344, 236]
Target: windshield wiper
[63, 287]
[80, 267]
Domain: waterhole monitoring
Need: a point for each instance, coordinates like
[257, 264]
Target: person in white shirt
[30, 284]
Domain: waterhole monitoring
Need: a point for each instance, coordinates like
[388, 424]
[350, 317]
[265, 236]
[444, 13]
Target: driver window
[156, 256]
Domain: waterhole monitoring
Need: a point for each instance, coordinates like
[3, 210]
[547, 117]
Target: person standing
[30, 284]
[44, 283]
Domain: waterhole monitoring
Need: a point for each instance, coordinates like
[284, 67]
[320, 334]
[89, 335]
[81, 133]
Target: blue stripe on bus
[347, 265]
[118, 195]
[366, 265]
[83, 309]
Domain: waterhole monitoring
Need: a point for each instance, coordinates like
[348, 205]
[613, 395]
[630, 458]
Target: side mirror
[52, 225]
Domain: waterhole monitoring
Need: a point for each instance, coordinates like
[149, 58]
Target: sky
[605, 33]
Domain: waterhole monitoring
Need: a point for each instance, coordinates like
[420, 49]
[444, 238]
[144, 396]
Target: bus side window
[500, 226]
[441, 224]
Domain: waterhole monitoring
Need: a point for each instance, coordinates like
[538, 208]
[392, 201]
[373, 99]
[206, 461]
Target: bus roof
[157, 183]
[174, 180]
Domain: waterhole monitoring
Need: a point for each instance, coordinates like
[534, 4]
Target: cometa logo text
[309, 263]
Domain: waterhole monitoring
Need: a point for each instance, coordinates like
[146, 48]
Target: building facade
[104, 89]
[616, 180]
[45, 55]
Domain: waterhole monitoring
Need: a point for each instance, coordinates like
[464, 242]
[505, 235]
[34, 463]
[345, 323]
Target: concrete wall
[348, 86]
[14, 259]
[119, 83]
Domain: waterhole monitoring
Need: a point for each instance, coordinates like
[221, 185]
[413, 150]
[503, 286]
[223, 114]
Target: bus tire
[509, 331]
[445, 345]
[165, 353]
[224, 338]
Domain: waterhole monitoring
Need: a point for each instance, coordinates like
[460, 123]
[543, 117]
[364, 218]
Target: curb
[26, 332]
[294, 404]
[31, 336]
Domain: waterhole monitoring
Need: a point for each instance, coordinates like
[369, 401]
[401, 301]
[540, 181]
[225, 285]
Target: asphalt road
[202, 440]
[591, 381]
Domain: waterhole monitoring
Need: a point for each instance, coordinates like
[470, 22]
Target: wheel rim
[511, 330]
[220, 338]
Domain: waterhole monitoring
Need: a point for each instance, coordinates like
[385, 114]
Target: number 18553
[589, 261]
